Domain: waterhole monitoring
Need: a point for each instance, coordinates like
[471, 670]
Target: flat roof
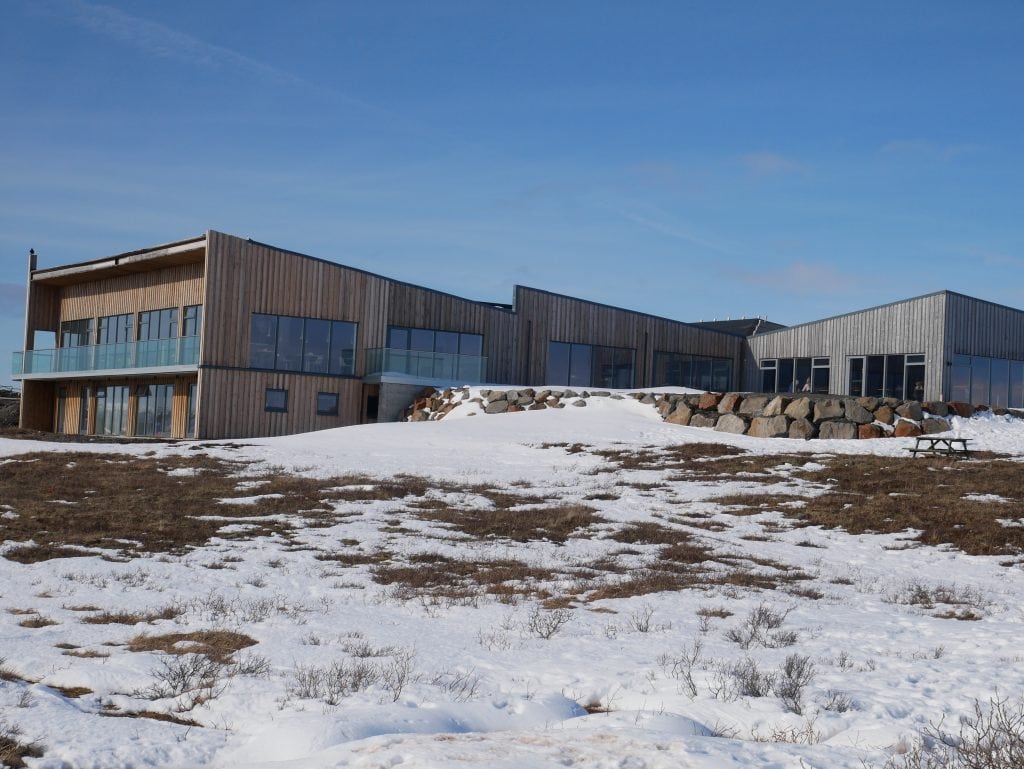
[179, 252]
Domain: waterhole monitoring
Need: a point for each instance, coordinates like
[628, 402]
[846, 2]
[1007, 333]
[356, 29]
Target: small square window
[327, 404]
[275, 400]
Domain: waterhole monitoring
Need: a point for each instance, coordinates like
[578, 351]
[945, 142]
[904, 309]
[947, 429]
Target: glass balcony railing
[156, 353]
[465, 369]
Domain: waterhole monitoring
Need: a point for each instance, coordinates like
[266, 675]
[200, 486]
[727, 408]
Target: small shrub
[640, 620]
[13, 748]
[546, 623]
[460, 685]
[681, 667]
[794, 675]
[761, 628]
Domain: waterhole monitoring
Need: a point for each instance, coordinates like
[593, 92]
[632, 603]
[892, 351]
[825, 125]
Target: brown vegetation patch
[132, 504]
[555, 523]
[85, 653]
[217, 645]
[890, 495]
[36, 621]
[13, 750]
[648, 533]
[134, 618]
[153, 715]
[677, 457]
[438, 575]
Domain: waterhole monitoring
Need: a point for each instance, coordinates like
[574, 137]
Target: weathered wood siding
[543, 317]
[176, 286]
[232, 400]
[243, 277]
[913, 326]
[977, 327]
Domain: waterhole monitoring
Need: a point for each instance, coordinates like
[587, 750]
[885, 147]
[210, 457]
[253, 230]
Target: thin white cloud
[161, 41]
[803, 278]
[673, 231]
[770, 163]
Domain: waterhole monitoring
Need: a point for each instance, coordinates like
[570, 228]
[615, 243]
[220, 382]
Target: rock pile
[755, 414]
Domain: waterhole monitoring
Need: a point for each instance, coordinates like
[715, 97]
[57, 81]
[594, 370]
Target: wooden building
[941, 346]
[217, 336]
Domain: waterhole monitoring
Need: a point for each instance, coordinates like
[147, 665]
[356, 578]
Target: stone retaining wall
[759, 415]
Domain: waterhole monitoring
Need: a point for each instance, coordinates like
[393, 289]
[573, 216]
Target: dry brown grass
[440, 576]
[555, 523]
[37, 621]
[890, 495]
[129, 504]
[152, 715]
[217, 645]
[134, 618]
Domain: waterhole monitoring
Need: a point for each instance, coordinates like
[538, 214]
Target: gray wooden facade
[936, 325]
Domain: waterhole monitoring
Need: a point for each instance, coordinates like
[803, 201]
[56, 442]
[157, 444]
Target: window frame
[270, 409]
[329, 412]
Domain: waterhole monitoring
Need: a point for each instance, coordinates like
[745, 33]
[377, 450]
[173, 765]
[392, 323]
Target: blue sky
[693, 160]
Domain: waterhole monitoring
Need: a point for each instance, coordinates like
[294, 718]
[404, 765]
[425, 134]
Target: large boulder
[938, 408]
[907, 429]
[664, 406]
[496, 407]
[769, 427]
[837, 429]
[800, 408]
[731, 423]
[753, 405]
[803, 428]
[709, 401]
[869, 403]
[885, 414]
[730, 403]
[680, 415]
[855, 412]
[870, 431]
[704, 419]
[932, 425]
[910, 410]
[961, 409]
[776, 406]
[828, 408]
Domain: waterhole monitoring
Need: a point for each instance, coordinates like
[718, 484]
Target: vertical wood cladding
[232, 401]
[977, 327]
[175, 286]
[543, 317]
[911, 326]
[245, 278]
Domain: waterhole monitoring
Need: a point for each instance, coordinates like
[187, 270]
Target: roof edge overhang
[168, 254]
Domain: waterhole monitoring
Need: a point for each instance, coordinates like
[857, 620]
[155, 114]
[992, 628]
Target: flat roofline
[859, 312]
[634, 312]
[498, 306]
[61, 272]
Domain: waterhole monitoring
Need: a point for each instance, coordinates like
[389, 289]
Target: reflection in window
[153, 409]
[790, 375]
[585, 365]
[888, 376]
[310, 345]
[987, 381]
[327, 404]
[696, 371]
[275, 399]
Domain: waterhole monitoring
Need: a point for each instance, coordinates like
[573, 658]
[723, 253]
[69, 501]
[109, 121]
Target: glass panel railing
[468, 369]
[182, 351]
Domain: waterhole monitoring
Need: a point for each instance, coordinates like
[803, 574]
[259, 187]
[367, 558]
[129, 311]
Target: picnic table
[940, 446]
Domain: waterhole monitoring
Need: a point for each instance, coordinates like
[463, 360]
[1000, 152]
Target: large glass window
[887, 376]
[435, 354]
[158, 324]
[76, 333]
[190, 427]
[115, 329]
[696, 371]
[112, 410]
[789, 375]
[83, 410]
[585, 365]
[310, 345]
[987, 381]
[153, 409]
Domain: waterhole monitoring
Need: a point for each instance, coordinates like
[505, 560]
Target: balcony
[158, 355]
[415, 364]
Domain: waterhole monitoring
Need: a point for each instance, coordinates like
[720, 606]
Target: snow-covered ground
[474, 682]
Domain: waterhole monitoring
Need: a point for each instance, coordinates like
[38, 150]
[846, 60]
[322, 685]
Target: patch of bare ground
[152, 715]
[72, 504]
[216, 645]
[134, 617]
[676, 457]
[932, 496]
[438, 575]
[554, 523]
[14, 749]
